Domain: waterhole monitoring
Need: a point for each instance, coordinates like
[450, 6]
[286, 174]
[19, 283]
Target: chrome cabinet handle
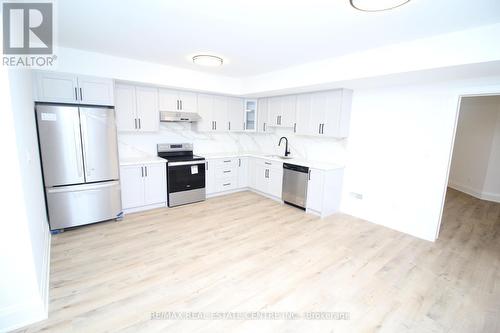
[264, 127]
[81, 94]
[206, 165]
[227, 161]
[319, 129]
[309, 174]
[181, 103]
[268, 163]
[142, 172]
[226, 184]
[135, 123]
[76, 94]
[139, 122]
[229, 125]
[226, 171]
[146, 171]
[294, 127]
[239, 162]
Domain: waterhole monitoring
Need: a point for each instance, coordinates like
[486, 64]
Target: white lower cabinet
[143, 185]
[243, 172]
[324, 191]
[268, 177]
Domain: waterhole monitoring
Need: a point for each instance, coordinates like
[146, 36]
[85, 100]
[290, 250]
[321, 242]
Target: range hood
[172, 116]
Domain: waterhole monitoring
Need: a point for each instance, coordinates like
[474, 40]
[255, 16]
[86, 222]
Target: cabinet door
[132, 186]
[288, 110]
[235, 114]
[209, 177]
[205, 111]
[252, 171]
[319, 106]
[274, 111]
[220, 113]
[147, 109]
[303, 114]
[168, 100]
[250, 115]
[315, 190]
[337, 114]
[125, 108]
[188, 101]
[95, 90]
[56, 87]
[243, 172]
[262, 115]
[261, 173]
[155, 183]
[275, 182]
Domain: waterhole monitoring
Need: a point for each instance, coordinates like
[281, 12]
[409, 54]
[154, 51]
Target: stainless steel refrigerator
[79, 155]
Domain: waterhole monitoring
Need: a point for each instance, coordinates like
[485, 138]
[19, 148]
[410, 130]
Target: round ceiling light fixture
[208, 60]
[377, 5]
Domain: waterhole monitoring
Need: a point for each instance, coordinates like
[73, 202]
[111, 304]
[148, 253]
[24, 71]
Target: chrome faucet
[287, 152]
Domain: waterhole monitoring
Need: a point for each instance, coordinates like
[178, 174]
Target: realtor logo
[27, 28]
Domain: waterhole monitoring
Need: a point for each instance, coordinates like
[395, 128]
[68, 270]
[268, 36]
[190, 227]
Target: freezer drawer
[71, 206]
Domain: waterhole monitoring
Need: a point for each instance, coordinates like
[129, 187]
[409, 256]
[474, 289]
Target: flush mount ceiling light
[208, 60]
[377, 5]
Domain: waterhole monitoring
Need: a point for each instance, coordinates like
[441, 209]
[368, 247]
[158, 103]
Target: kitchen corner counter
[298, 161]
[141, 160]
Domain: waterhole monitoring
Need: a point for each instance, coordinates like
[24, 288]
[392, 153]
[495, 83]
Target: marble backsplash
[310, 148]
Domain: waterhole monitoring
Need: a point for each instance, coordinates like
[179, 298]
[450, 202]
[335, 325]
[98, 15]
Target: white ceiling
[255, 36]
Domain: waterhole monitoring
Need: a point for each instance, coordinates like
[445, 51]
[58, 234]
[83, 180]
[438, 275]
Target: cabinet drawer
[269, 164]
[225, 163]
[226, 184]
[226, 172]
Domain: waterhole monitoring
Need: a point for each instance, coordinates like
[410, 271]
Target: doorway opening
[472, 203]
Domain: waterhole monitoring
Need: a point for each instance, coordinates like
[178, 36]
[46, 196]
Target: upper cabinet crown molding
[72, 88]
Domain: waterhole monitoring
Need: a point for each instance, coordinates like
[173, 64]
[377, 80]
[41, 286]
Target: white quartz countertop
[141, 160]
[298, 161]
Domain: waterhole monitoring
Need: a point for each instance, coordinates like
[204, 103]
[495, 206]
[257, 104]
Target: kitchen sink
[280, 156]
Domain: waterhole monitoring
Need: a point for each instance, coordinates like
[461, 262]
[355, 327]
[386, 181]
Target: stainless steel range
[185, 173]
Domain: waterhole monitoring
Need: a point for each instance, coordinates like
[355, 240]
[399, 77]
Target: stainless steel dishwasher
[295, 179]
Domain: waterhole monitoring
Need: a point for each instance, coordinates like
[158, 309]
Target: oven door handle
[200, 162]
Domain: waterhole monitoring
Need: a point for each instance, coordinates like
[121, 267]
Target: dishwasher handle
[294, 167]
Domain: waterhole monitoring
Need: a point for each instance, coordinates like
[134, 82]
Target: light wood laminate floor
[244, 252]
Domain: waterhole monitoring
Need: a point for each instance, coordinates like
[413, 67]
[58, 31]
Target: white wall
[25, 239]
[399, 152]
[475, 167]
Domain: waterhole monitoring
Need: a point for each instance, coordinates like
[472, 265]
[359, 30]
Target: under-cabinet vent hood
[172, 116]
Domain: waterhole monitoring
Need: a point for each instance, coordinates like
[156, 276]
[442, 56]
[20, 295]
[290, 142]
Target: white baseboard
[45, 276]
[488, 196]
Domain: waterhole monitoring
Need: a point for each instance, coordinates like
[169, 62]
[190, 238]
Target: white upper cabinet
[74, 89]
[263, 115]
[324, 113]
[303, 114]
[173, 100]
[220, 113]
[148, 116]
[235, 114]
[95, 90]
[250, 116]
[136, 108]
[281, 111]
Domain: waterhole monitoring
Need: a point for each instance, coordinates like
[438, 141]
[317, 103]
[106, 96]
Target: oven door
[186, 182]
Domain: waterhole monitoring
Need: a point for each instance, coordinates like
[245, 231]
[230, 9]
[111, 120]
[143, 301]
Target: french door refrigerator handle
[78, 147]
[83, 121]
